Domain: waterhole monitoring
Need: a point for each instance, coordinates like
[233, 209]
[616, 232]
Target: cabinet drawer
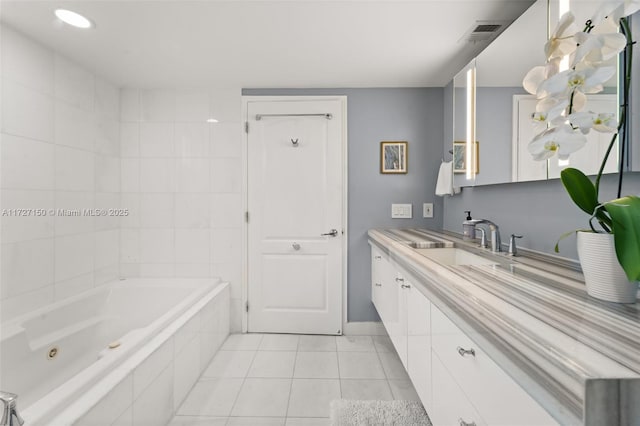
[450, 405]
[496, 396]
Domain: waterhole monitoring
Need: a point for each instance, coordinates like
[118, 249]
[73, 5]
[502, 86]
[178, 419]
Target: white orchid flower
[616, 10]
[587, 80]
[538, 74]
[561, 42]
[561, 140]
[595, 49]
[601, 122]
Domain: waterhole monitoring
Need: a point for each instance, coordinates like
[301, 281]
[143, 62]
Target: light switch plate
[401, 211]
[427, 210]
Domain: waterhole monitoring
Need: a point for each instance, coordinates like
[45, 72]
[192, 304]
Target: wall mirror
[503, 125]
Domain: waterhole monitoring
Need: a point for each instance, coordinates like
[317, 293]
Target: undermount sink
[454, 256]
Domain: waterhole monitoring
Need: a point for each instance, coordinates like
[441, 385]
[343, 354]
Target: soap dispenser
[468, 228]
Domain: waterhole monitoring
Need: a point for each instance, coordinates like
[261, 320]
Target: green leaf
[583, 192]
[580, 189]
[625, 213]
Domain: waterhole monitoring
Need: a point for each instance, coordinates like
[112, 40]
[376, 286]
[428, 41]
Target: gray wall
[375, 115]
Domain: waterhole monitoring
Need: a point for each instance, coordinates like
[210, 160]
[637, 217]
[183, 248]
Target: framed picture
[460, 157]
[393, 157]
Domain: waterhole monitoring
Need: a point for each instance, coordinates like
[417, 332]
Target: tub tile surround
[181, 180]
[60, 150]
[148, 387]
[535, 320]
[257, 379]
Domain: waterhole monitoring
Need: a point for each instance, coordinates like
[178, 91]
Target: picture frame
[393, 157]
[460, 157]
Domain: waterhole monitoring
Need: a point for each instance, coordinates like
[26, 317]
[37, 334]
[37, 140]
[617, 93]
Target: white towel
[444, 186]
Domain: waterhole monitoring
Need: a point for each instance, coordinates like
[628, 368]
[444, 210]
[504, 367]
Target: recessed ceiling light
[72, 18]
[212, 120]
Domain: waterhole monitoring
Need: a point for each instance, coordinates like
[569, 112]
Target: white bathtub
[163, 333]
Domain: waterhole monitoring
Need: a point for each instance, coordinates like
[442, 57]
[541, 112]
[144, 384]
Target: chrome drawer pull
[463, 351]
[463, 423]
[378, 257]
[399, 280]
[405, 286]
[378, 285]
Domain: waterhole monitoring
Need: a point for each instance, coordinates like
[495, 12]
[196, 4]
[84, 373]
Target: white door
[295, 204]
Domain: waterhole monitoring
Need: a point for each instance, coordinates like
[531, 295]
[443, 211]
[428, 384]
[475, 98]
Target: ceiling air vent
[484, 31]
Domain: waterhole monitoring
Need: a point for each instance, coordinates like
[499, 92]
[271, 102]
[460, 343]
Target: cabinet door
[450, 405]
[376, 278]
[419, 344]
[399, 336]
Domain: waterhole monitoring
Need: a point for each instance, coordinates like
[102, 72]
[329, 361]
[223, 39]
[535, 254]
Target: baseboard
[368, 328]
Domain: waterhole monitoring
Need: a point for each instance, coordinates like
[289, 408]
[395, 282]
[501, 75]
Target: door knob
[332, 233]
[296, 246]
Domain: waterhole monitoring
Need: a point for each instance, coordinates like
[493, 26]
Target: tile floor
[281, 379]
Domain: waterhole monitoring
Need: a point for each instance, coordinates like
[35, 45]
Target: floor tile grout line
[244, 380]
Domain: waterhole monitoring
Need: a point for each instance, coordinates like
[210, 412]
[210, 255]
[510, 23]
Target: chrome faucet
[10, 416]
[496, 244]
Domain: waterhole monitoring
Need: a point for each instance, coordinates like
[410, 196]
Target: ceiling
[265, 43]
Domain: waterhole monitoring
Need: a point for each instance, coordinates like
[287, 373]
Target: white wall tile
[113, 405]
[157, 175]
[28, 225]
[107, 174]
[186, 370]
[106, 248]
[73, 83]
[70, 287]
[107, 274]
[155, 405]
[75, 169]
[70, 216]
[27, 302]
[192, 106]
[226, 175]
[157, 270]
[193, 175]
[192, 246]
[192, 270]
[74, 255]
[18, 272]
[192, 210]
[130, 140]
[74, 126]
[107, 200]
[152, 367]
[226, 211]
[107, 140]
[157, 245]
[26, 62]
[226, 244]
[226, 104]
[26, 163]
[129, 270]
[130, 110]
[107, 99]
[226, 140]
[191, 140]
[132, 203]
[158, 105]
[129, 245]
[156, 140]
[156, 210]
[130, 175]
[27, 112]
[231, 272]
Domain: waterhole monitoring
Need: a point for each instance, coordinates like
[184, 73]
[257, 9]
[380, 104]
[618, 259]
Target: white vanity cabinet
[458, 383]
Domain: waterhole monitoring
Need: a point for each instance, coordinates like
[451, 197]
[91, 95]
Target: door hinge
[246, 306]
[246, 127]
[246, 217]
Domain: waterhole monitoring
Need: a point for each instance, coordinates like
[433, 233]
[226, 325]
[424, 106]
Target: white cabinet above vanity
[491, 340]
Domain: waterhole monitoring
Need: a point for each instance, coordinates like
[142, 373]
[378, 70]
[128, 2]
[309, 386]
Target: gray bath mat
[378, 413]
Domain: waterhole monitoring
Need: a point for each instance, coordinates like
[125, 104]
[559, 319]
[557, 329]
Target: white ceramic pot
[603, 275]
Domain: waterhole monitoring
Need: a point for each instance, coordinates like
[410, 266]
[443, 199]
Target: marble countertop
[577, 356]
